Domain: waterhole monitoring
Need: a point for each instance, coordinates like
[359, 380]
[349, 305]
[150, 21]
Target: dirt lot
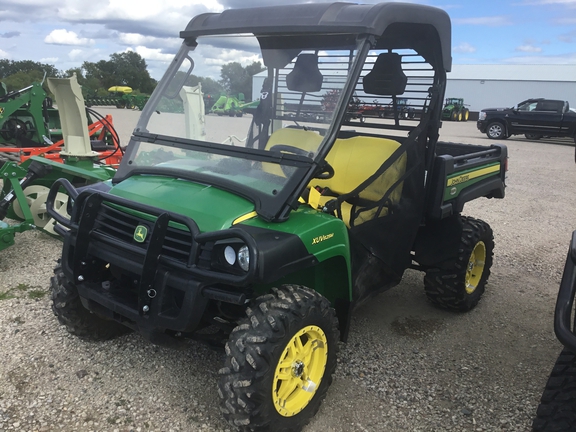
[406, 366]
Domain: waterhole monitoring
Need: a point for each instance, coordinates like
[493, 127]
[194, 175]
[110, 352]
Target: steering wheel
[326, 169]
[290, 149]
[285, 148]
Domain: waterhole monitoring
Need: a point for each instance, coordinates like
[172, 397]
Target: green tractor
[267, 247]
[455, 110]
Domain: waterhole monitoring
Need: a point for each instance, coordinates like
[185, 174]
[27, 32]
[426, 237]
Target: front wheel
[495, 130]
[459, 283]
[78, 320]
[279, 361]
[557, 409]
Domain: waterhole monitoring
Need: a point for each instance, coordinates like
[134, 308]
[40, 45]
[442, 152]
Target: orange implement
[109, 154]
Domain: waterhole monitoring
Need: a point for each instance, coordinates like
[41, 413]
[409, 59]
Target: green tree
[209, 86]
[11, 67]
[19, 74]
[123, 69]
[236, 78]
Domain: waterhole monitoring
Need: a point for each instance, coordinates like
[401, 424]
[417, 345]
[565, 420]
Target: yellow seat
[354, 160]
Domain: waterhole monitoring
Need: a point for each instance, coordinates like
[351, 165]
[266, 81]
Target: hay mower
[28, 173]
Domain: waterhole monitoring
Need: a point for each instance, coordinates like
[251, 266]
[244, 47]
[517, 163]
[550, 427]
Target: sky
[65, 33]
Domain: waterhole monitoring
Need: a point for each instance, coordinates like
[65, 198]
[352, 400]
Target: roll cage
[363, 32]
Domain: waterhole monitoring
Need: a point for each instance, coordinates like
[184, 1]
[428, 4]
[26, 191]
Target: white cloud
[65, 37]
[528, 48]
[464, 47]
[489, 21]
[4, 54]
[135, 39]
[49, 60]
[170, 11]
[153, 54]
[543, 59]
[231, 55]
[75, 53]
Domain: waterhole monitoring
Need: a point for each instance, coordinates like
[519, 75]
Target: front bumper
[481, 125]
[163, 282]
[565, 330]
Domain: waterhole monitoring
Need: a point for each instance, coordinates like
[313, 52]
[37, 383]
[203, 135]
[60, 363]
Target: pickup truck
[535, 118]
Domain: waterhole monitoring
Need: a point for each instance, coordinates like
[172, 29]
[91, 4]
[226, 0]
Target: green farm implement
[80, 160]
[229, 105]
[26, 116]
[120, 97]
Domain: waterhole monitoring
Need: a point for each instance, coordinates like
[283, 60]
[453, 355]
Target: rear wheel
[460, 116]
[279, 361]
[78, 320]
[532, 136]
[466, 115]
[557, 409]
[495, 130]
[459, 283]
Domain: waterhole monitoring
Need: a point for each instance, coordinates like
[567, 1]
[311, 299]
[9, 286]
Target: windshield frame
[272, 208]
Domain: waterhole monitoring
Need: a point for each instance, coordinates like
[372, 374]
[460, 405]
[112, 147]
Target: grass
[11, 293]
[36, 294]
[6, 295]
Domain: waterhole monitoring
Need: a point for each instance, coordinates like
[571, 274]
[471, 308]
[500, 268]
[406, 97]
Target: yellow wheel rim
[300, 371]
[466, 116]
[459, 116]
[475, 267]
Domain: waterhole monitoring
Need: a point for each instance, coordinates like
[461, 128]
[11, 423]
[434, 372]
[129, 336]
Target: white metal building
[495, 86]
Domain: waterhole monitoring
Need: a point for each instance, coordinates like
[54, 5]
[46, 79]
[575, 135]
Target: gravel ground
[406, 366]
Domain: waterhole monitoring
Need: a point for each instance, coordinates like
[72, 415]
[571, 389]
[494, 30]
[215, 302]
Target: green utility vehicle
[276, 240]
[455, 110]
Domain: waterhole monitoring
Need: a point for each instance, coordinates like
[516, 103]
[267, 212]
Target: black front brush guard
[86, 207]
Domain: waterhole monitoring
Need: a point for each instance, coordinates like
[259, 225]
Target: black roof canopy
[333, 18]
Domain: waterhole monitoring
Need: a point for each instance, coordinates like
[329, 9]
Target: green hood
[211, 208]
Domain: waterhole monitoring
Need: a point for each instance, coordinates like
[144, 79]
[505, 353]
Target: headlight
[482, 115]
[230, 255]
[244, 258]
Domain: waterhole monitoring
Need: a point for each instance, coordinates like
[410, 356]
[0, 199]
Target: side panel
[464, 173]
[326, 239]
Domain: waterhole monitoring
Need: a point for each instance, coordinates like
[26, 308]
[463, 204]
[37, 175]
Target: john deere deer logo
[140, 233]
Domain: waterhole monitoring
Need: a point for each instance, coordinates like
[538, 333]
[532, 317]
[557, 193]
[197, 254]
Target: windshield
[252, 126]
